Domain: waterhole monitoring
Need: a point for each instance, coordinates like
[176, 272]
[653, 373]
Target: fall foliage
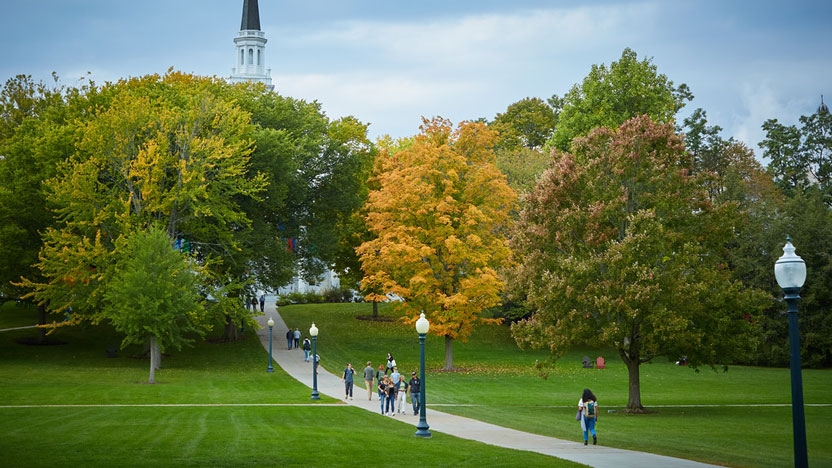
[439, 215]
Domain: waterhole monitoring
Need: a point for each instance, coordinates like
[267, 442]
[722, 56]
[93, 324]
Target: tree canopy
[609, 96]
[619, 246]
[154, 296]
[438, 214]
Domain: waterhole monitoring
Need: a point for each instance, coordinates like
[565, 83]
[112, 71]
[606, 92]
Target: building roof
[251, 16]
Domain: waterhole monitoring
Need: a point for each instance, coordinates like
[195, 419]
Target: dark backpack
[590, 409]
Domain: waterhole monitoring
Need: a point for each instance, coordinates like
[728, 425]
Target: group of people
[252, 304]
[392, 388]
[293, 338]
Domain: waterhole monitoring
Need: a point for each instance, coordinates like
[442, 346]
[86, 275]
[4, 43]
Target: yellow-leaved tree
[438, 211]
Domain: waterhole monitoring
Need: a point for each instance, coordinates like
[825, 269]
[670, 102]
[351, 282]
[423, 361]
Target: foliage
[522, 167]
[153, 296]
[166, 151]
[527, 123]
[801, 157]
[438, 216]
[800, 166]
[609, 96]
[620, 246]
[34, 138]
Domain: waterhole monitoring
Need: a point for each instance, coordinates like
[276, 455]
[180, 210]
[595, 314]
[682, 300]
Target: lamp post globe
[422, 326]
[313, 332]
[271, 326]
[790, 272]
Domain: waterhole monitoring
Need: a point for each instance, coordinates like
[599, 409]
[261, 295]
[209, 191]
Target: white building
[250, 61]
[251, 49]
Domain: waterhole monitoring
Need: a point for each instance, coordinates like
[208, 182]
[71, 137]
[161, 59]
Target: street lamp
[422, 326]
[790, 271]
[313, 332]
[271, 325]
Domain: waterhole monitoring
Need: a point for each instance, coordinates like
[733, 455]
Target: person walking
[415, 392]
[296, 337]
[368, 379]
[382, 390]
[307, 349]
[395, 376]
[391, 363]
[588, 406]
[290, 337]
[401, 394]
[391, 398]
[262, 302]
[348, 379]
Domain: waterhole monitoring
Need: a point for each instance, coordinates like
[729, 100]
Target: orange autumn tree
[438, 210]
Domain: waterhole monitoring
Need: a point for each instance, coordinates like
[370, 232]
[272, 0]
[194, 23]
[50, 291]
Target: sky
[390, 63]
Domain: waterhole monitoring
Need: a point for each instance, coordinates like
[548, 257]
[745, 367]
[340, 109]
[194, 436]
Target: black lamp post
[271, 326]
[313, 332]
[422, 326]
[790, 271]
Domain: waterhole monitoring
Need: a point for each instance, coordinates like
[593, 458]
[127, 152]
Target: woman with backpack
[588, 408]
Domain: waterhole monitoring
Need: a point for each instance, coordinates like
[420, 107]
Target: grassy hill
[214, 405]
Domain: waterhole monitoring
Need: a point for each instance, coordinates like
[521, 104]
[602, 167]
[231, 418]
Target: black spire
[822, 109]
[251, 16]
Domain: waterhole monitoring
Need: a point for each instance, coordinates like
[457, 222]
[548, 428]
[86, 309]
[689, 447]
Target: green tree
[609, 96]
[801, 157]
[523, 129]
[620, 246]
[35, 136]
[438, 218]
[166, 151]
[527, 123]
[153, 297]
[800, 166]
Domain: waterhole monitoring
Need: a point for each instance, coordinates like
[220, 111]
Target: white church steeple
[251, 48]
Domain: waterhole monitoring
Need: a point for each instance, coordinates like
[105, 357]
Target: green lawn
[707, 416]
[704, 416]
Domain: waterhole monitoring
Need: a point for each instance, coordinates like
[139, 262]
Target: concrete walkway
[328, 384]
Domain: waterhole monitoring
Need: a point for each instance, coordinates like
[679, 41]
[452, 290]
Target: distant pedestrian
[391, 363]
[395, 376]
[262, 302]
[307, 349]
[588, 406]
[290, 338]
[391, 398]
[296, 337]
[368, 379]
[254, 304]
[401, 394]
[348, 379]
[415, 392]
[382, 389]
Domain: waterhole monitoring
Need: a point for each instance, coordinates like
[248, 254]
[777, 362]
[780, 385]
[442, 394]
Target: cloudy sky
[389, 63]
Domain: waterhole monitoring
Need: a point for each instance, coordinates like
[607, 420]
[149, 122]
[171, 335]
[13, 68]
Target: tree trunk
[634, 399]
[41, 321]
[449, 353]
[632, 358]
[375, 309]
[154, 351]
[231, 331]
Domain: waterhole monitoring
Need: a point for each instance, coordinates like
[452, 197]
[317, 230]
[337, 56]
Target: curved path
[328, 384]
